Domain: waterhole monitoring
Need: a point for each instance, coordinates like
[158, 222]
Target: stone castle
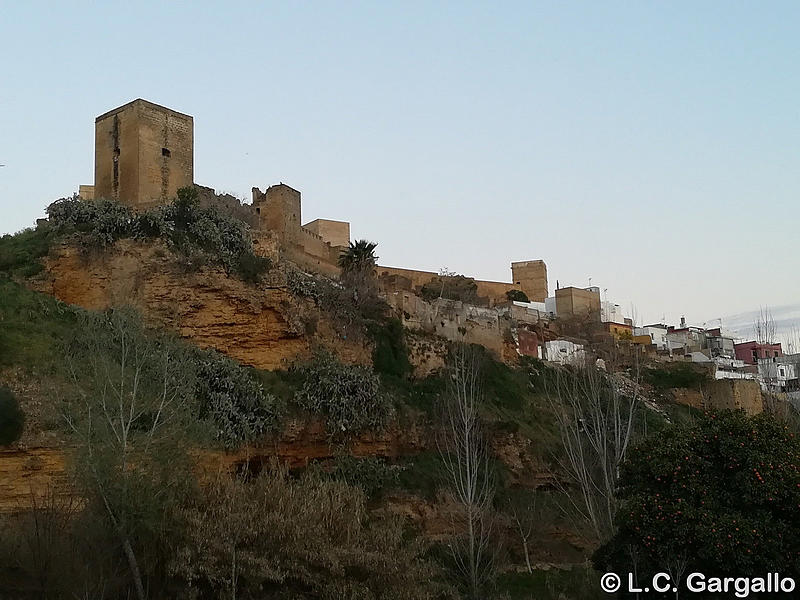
[144, 153]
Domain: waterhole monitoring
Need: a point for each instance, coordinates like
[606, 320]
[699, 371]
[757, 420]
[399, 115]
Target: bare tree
[530, 516]
[792, 339]
[676, 566]
[596, 423]
[127, 415]
[469, 476]
[764, 326]
[445, 275]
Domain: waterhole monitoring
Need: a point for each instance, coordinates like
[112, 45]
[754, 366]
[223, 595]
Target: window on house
[783, 373]
[776, 353]
[165, 152]
[755, 356]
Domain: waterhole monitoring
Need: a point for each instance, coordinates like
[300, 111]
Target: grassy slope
[33, 325]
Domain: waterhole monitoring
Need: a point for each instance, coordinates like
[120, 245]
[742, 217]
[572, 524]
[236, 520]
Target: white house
[611, 313]
[780, 373]
[657, 334]
[565, 352]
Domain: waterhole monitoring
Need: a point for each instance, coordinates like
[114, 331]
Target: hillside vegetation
[133, 404]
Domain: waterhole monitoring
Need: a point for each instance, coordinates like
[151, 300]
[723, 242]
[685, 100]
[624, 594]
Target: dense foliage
[390, 355]
[278, 537]
[20, 253]
[676, 375]
[369, 473]
[350, 397]
[199, 234]
[719, 496]
[233, 401]
[358, 257]
[12, 419]
[451, 287]
[517, 296]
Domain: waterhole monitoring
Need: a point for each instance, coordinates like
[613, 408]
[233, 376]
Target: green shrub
[12, 419]
[517, 296]
[151, 224]
[678, 375]
[102, 222]
[251, 267]
[198, 234]
[20, 253]
[390, 356]
[233, 401]
[422, 474]
[371, 473]
[350, 397]
[304, 285]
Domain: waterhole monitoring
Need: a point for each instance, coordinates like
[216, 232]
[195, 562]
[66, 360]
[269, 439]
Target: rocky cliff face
[40, 472]
[263, 326]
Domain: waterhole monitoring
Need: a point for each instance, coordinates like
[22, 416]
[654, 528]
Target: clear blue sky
[650, 146]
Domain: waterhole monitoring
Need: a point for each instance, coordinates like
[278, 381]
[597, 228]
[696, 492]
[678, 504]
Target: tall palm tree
[359, 257]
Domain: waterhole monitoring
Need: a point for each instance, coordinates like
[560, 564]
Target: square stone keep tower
[143, 154]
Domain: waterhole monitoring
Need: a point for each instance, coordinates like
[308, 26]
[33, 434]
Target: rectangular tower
[278, 210]
[531, 277]
[143, 154]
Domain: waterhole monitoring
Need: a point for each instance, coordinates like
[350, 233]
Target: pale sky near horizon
[650, 146]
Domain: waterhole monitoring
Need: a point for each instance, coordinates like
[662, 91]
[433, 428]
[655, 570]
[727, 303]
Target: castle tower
[143, 154]
[279, 210]
[531, 277]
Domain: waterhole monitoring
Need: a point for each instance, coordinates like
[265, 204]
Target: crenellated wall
[490, 293]
[315, 247]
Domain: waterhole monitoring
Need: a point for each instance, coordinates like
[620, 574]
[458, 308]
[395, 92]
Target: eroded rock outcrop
[264, 326]
[38, 472]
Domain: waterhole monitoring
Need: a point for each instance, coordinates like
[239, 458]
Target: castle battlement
[144, 153]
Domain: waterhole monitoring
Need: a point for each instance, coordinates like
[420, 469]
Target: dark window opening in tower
[165, 152]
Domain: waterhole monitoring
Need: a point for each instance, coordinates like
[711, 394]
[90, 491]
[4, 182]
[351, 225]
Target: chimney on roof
[683, 322]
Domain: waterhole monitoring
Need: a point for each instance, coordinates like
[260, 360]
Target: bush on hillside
[370, 473]
[677, 375]
[102, 222]
[451, 287]
[390, 356]
[350, 397]
[275, 536]
[235, 403]
[20, 253]
[200, 234]
[517, 296]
